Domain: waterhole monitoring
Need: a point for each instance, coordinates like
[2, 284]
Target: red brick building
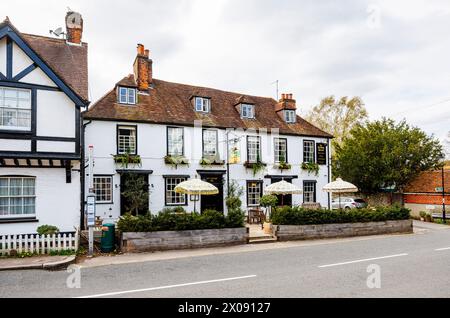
[424, 193]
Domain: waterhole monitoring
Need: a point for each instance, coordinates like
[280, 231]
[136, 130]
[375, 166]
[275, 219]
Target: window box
[207, 161]
[282, 166]
[175, 161]
[126, 159]
[255, 166]
[311, 167]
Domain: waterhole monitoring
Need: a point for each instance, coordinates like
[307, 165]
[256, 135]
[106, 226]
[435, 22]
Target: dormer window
[202, 104]
[289, 116]
[248, 111]
[127, 95]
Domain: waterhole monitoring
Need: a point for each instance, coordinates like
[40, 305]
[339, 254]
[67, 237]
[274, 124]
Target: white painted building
[43, 87]
[154, 121]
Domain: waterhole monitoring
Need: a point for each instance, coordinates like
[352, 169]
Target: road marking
[442, 249]
[167, 287]
[363, 260]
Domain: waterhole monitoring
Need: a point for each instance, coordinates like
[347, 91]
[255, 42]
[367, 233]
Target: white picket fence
[39, 244]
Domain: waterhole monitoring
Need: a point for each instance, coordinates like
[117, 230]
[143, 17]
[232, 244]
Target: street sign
[90, 210]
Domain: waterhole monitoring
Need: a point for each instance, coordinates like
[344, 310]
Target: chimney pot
[283, 96]
[140, 49]
[74, 27]
[147, 53]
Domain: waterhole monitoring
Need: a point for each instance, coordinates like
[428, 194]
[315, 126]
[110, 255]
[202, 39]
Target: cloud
[394, 54]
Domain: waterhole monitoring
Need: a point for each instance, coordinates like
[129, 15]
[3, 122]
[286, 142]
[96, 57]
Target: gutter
[82, 173]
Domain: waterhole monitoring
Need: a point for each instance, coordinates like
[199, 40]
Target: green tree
[384, 154]
[135, 193]
[338, 117]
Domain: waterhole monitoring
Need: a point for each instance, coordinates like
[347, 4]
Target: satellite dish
[58, 31]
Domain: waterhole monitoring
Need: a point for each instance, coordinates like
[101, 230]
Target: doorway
[134, 193]
[212, 202]
[283, 200]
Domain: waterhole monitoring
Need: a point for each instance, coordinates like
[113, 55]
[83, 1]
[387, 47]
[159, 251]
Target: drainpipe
[82, 174]
[329, 171]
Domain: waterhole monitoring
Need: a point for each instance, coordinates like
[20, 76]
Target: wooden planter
[174, 240]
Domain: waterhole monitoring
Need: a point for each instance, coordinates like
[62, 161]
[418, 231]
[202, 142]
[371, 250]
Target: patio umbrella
[340, 186]
[283, 187]
[196, 187]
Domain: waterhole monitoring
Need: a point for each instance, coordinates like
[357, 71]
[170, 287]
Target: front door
[213, 202]
[134, 194]
[283, 200]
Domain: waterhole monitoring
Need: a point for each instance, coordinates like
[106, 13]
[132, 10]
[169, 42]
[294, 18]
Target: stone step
[262, 239]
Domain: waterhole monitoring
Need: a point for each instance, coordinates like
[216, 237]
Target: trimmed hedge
[299, 216]
[168, 220]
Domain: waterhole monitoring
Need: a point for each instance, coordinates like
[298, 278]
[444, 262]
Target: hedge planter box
[305, 232]
[174, 240]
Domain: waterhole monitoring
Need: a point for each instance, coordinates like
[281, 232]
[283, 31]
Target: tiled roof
[428, 181]
[170, 103]
[69, 62]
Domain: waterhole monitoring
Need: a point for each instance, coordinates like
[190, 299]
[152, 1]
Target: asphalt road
[415, 265]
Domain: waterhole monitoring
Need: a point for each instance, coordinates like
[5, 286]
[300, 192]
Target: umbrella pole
[195, 203]
[340, 201]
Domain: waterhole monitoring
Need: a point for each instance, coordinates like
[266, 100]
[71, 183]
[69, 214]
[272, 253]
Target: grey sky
[394, 54]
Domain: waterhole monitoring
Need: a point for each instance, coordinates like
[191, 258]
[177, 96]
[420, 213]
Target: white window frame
[10, 197]
[309, 152]
[208, 144]
[122, 140]
[104, 194]
[277, 145]
[290, 116]
[248, 111]
[22, 106]
[129, 97]
[202, 104]
[309, 191]
[253, 149]
[171, 143]
[254, 193]
[169, 185]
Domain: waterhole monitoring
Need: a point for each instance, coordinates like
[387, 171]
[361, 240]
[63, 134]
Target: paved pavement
[36, 262]
[414, 265]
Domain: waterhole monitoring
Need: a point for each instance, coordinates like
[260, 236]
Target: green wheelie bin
[108, 238]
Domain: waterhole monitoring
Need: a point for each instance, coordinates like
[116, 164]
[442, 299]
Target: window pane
[17, 196]
[173, 198]
[175, 141]
[209, 142]
[253, 148]
[126, 140]
[131, 96]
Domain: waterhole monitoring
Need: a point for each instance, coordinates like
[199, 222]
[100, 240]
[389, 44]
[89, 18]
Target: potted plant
[269, 202]
[422, 215]
[174, 161]
[311, 167]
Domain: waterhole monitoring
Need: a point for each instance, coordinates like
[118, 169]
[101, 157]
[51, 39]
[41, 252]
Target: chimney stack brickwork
[74, 27]
[286, 102]
[143, 72]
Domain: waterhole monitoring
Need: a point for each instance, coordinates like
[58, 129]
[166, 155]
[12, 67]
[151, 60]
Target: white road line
[442, 249]
[167, 287]
[363, 260]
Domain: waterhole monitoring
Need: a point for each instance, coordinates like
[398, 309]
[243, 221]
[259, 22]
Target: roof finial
[6, 19]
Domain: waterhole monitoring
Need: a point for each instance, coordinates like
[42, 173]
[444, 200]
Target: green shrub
[298, 216]
[167, 220]
[47, 230]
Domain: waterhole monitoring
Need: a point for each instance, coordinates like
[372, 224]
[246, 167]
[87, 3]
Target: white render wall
[57, 202]
[151, 146]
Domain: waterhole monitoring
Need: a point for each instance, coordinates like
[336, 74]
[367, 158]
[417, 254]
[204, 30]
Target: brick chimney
[286, 102]
[143, 68]
[74, 27]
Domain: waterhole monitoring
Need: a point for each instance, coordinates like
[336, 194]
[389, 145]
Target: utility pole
[443, 195]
